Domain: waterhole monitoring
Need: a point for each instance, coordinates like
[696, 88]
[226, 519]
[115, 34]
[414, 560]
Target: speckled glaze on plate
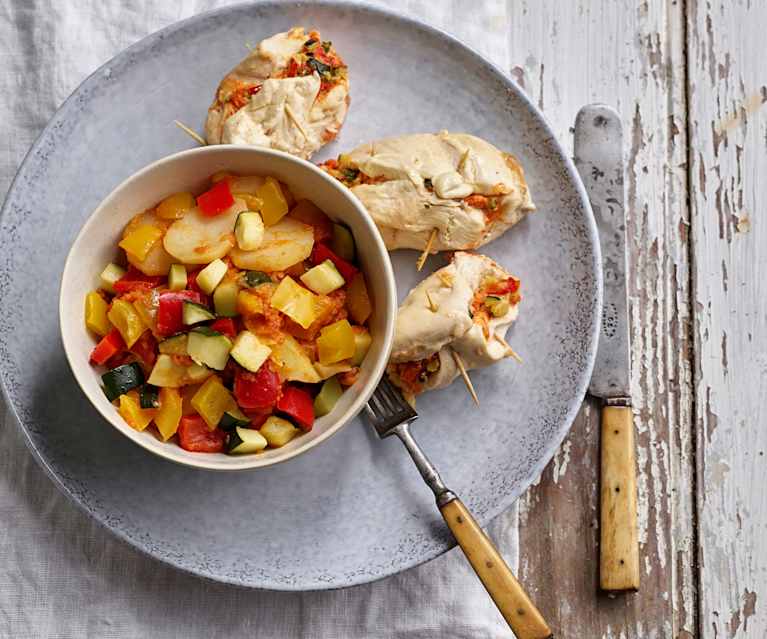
[358, 500]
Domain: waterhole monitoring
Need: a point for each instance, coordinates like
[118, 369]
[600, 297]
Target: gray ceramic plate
[354, 509]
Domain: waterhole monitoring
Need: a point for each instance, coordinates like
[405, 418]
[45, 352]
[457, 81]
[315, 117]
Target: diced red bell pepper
[320, 253]
[109, 346]
[225, 325]
[170, 310]
[257, 390]
[217, 200]
[511, 285]
[135, 280]
[194, 435]
[145, 348]
[298, 405]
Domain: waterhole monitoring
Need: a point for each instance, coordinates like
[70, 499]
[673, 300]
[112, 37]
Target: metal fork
[390, 414]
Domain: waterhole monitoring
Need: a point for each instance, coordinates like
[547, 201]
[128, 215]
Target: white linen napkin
[62, 575]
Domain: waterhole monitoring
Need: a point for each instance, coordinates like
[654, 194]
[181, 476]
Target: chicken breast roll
[462, 186]
[465, 307]
[291, 93]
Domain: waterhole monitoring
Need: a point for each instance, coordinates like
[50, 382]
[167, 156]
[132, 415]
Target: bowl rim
[245, 462]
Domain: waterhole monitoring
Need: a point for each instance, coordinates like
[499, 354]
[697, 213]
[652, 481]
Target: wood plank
[728, 135]
[629, 56]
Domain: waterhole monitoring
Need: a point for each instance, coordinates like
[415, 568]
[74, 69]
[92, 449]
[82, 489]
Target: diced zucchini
[177, 277]
[278, 431]
[96, 314]
[255, 278]
[295, 302]
[326, 399]
[343, 242]
[232, 418]
[168, 374]
[336, 342]
[249, 230]
[212, 400]
[323, 278]
[149, 396]
[249, 351]
[210, 277]
[194, 313]
[362, 342]
[120, 380]
[208, 348]
[245, 440]
[175, 345]
[110, 275]
[225, 299]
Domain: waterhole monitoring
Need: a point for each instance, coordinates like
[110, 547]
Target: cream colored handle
[619, 542]
[507, 593]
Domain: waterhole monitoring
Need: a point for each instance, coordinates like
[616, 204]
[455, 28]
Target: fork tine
[375, 405]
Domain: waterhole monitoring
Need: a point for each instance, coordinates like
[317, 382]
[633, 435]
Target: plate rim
[505, 502]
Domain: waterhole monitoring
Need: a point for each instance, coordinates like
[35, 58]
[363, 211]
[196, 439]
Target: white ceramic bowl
[96, 245]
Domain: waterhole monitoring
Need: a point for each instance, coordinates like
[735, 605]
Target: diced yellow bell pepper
[175, 206]
[251, 201]
[140, 241]
[358, 300]
[169, 413]
[141, 306]
[96, 314]
[296, 302]
[336, 342]
[212, 400]
[125, 318]
[249, 304]
[275, 205]
[131, 411]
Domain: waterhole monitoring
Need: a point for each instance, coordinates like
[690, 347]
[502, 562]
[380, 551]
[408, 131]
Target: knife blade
[599, 160]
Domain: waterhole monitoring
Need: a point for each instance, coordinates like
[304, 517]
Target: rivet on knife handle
[619, 545]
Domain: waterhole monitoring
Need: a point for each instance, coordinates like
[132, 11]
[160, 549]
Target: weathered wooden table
[690, 81]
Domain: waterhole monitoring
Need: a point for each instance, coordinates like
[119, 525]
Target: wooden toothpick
[427, 249]
[512, 352]
[191, 133]
[295, 121]
[432, 306]
[465, 375]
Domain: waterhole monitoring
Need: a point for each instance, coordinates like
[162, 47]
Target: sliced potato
[157, 260]
[200, 239]
[285, 244]
[292, 362]
[326, 371]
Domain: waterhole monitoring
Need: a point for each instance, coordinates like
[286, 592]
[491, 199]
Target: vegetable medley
[237, 317]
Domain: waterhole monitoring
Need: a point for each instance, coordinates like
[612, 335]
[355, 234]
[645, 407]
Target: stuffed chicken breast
[291, 93]
[465, 307]
[460, 185]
